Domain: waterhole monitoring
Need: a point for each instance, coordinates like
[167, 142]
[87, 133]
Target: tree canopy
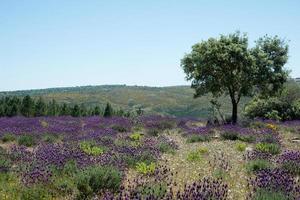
[226, 65]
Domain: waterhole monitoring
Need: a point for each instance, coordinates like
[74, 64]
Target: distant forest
[29, 107]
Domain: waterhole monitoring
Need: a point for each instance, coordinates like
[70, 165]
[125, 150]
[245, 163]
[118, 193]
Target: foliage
[8, 137]
[26, 140]
[198, 138]
[96, 179]
[34, 193]
[194, 156]
[230, 135]
[91, 148]
[227, 65]
[136, 136]
[108, 111]
[268, 148]
[240, 146]
[257, 165]
[284, 106]
[145, 169]
[264, 194]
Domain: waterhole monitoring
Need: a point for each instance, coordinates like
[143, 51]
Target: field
[175, 101]
[149, 157]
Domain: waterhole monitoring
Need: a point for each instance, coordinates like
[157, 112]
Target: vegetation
[228, 65]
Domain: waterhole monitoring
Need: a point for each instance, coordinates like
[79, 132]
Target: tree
[226, 65]
[27, 107]
[52, 108]
[96, 111]
[75, 111]
[108, 112]
[64, 110]
[40, 108]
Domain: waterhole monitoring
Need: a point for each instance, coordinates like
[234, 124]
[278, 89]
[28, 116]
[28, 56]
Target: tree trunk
[234, 112]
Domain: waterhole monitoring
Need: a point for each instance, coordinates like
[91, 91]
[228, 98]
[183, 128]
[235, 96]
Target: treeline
[29, 107]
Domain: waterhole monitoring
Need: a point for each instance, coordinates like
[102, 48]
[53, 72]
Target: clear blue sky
[54, 43]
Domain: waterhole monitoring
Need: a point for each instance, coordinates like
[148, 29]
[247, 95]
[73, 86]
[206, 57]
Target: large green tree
[226, 65]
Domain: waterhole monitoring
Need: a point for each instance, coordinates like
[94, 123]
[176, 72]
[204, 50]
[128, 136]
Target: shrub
[292, 167]
[264, 194]
[198, 138]
[247, 138]
[268, 148]
[136, 136]
[155, 191]
[203, 150]
[34, 193]
[240, 146]
[119, 128]
[49, 138]
[219, 173]
[90, 148]
[145, 169]
[26, 140]
[8, 137]
[96, 179]
[257, 165]
[194, 156]
[64, 186]
[153, 132]
[5, 164]
[166, 148]
[230, 135]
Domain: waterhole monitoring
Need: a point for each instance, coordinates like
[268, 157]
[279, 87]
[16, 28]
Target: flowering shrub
[290, 160]
[274, 181]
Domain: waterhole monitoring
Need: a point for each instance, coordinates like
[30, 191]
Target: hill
[175, 100]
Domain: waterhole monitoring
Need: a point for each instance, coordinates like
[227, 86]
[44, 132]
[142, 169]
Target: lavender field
[148, 157]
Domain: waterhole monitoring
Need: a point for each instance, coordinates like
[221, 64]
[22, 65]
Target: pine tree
[75, 111]
[64, 110]
[96, 111]
[40, 108]
[108, 112]
[27, 107]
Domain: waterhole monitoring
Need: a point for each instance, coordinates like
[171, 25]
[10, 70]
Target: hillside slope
[174, 100]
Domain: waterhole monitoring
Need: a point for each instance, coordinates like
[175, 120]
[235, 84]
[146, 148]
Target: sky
[60, 43]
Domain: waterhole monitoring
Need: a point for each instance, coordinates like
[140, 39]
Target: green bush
[49, 138]
[257, 165]
[230, 135]
[247, 138]
[194, 156]
[153, 132]
[284, 106]
[26, 140]
[132, 160]
[263, 194]
[268, 148]
[156, 190]
[90, 148]
[219, 173]
[64, 186]
[240, 147]
[292, 166]
[166, 148]
[145, 169]
[198, 138]
[8, 137]
[96, 179]
[34, 193]
[136, 136]
[119, 128]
